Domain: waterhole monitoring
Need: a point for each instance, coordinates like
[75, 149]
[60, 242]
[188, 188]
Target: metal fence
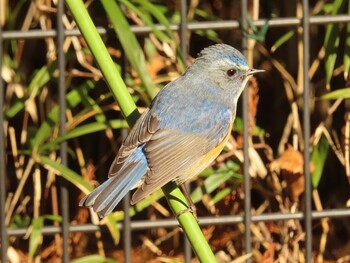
[128, 226]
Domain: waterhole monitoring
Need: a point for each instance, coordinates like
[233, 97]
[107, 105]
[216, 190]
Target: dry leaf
[290, 167]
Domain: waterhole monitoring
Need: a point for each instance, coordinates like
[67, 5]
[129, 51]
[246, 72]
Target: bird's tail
[106, 196]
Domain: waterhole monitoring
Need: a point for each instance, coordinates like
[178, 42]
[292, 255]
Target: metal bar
[183, 43]
[127, 229]
[64, 196]
[203, 221]
[306, 126]
[3, 233]
[126, 200]
[183, 29]
[191, 26]
[246, 185]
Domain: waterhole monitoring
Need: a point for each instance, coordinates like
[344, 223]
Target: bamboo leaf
[13, 18]
[255, 33]
[46, 128]
[152, 9]
[146, 19]
[318, 158]
[73, 98]
[91, 103]
[331, 42]
[40, 79]
[340, 93]
[146, 202]
[111, 223]
[328, 8]
[156, 12]
[212, 183]
[36, 237]
[222, 194]
[283, 39]
[140, 206]
[93, 259]
[65, 172]
[130, 44]
[56, 218]
[77, 94]
[347, 49]
[84, 130]
[263, 31]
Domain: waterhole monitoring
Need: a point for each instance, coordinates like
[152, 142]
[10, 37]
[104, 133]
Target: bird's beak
[253, 71]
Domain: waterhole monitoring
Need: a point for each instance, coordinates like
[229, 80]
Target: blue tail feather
[107, 196]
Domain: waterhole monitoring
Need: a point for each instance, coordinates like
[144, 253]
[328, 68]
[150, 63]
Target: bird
[182, 131]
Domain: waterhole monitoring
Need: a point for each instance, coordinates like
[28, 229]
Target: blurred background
[47, 167]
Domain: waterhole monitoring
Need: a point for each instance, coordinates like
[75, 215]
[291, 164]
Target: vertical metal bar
[306, 124]
[3, 233]
[183, 43]
[247, 197]
[183, 29]
[126, 200]
[127, 229]
[64, 197]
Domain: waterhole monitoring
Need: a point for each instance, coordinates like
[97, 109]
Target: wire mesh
[128, 226]
[3, 234]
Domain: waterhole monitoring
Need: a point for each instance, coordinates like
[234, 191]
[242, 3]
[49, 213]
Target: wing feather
[141, 132]
[175, 156]
[173, 152]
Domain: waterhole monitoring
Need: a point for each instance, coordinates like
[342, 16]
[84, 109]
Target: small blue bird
[181, 133]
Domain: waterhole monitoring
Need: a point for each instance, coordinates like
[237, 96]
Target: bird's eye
[231, 72]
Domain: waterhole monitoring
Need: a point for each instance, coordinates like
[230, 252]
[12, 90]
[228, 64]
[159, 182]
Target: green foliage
[20, 221]
[65, 172]
[36, 236]
[238, 127]
[253, 31]
[215, 179]
[94, 259]
[347, 48]
[283, 39]
[318, 158]
[130, 44]
[332, 39]
[40, 78]
[340, 93]
[111, 223]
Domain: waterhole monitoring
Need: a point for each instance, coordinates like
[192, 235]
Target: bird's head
[226, 67]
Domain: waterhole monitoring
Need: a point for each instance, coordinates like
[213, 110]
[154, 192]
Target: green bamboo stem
[189, 224]
[175, 198]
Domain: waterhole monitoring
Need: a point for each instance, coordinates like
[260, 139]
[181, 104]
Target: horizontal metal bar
[39, 34]
[203, 221]
[217, 25]
[329, 19]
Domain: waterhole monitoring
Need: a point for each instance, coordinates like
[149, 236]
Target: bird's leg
[192, 208]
